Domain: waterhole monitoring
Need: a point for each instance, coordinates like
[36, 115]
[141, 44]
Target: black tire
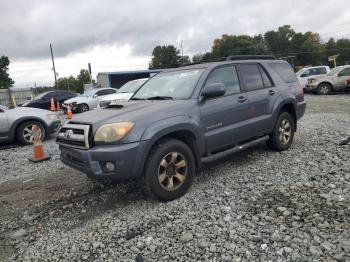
[154, 168]
[83, 108]
[278, 138]
[324, 89]
[23, 132]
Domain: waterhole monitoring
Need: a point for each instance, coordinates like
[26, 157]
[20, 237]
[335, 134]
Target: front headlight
[113, 132]
[311, 81]
[52, 117]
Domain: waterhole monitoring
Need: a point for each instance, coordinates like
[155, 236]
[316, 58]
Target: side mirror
[213, 90]
[94, 96]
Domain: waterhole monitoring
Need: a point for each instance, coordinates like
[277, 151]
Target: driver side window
[345, 72]
[305, 74]
[226, 75]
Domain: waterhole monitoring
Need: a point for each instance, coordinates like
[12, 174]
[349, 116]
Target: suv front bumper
[128, 160]
[53, 127]
[311, 87]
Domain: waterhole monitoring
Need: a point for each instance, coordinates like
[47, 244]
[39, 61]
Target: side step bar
[235, 149]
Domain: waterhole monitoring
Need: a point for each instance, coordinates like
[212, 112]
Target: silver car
[336, 80]
[16, 124]
[89, 100]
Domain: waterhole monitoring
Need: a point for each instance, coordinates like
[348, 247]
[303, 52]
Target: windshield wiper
[160, 98]
[136, 98]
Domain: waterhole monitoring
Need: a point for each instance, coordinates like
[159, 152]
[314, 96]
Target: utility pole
[67, 84]
[182, 51]
[53, 66]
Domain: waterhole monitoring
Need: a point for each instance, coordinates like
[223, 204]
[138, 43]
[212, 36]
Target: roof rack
[250, 57]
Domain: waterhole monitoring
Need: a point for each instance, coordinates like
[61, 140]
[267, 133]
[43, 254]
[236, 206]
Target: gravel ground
[256, 205]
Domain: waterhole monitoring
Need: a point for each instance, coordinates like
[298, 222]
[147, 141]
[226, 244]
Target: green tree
[233, 45]
[165, 57]
[312, 51]
[5, 80]
[280, 42]
[342, 48]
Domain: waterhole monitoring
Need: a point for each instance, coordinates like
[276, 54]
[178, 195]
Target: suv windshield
[334, 71]
[88, 93]
[170, 85]
[132, 86]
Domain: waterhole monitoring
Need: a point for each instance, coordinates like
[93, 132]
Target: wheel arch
[182, 128]
[17, 123]
[290, 107]
[326, 82]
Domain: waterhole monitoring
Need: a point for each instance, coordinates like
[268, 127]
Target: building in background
[117, 79]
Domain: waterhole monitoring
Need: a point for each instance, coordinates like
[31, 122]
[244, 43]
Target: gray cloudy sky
[120, 35]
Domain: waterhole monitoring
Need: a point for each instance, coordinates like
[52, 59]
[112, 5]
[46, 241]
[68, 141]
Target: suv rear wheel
[283, 134]
[324, 89]
[169, 170]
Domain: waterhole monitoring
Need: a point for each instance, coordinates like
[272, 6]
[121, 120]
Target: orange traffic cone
[52, 108]
[58, 108]
[38, 150]
[69, 113]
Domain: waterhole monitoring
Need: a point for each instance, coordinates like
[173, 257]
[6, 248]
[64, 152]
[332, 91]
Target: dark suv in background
[184, 117]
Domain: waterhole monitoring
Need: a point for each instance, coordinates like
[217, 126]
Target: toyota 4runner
[184, 117]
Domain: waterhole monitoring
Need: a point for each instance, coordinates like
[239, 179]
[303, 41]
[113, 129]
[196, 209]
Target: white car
[304, 74]
[89, 100]
[124, 93]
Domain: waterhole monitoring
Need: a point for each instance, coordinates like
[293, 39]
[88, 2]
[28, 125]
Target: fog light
[110, 166]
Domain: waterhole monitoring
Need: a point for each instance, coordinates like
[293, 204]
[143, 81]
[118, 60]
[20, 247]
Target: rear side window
[251, 77]
[226, 75]
[321, 71]
[285, 71]
[266, 79]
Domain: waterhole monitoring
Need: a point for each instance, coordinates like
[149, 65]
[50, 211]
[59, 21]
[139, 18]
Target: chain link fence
[10, 96]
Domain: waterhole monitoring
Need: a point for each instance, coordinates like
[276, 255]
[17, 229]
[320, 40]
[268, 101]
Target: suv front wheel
[169, 170]
[283, 134]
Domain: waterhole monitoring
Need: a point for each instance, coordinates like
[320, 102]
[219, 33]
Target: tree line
[299, 49]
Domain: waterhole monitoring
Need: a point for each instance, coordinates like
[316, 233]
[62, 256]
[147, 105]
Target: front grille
[74, 135]
[72, 159]
[104, 103]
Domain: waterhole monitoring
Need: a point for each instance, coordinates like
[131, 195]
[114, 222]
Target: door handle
[241, 99]
[271, 92]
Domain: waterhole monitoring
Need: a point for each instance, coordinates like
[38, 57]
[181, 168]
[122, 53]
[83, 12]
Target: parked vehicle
[306, 73]
[124, 93]
[17, 123]
[89, 100]
[184, 117]
[335, 80]
[43, 100]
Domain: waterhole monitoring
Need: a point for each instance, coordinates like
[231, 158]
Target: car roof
[214, 64]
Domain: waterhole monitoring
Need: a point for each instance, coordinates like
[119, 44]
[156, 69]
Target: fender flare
[16, 123]
[277, 109]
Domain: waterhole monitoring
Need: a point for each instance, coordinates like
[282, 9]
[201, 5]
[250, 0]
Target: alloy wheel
[28, 133]
[285, 131]
[172, 171]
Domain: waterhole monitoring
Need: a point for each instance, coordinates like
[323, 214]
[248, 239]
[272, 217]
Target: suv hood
[135, 111]
[117, 96]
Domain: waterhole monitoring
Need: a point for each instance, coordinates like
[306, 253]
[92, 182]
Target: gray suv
[335, 80]
[184, 117]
